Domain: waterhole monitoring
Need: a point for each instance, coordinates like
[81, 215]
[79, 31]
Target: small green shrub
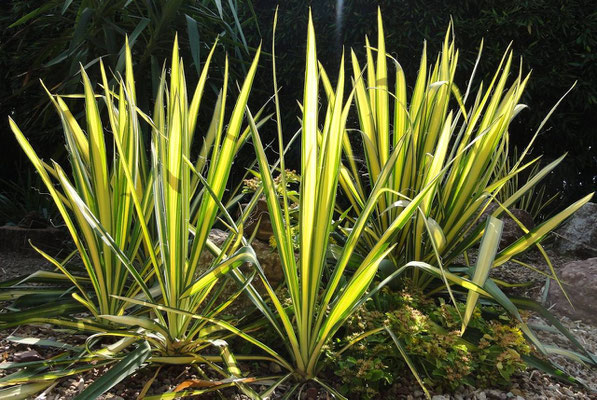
[487, 355]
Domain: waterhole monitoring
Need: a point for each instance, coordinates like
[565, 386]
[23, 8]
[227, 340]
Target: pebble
[311, 393]
[440, 397]
[275, 368]
[567, 391]
[80, 385]
[403, 390]
[496, 394]
[25, 356]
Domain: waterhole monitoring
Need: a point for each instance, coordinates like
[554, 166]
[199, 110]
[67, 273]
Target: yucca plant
[442, 140]
[141, 226]
[319, 305]
[101, 188]
[186, 204]
[449, 153]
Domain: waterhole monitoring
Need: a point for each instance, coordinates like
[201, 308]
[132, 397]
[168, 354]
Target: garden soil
[530, 385]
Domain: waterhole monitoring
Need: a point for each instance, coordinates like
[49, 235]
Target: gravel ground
[530, 385]
[18, 264]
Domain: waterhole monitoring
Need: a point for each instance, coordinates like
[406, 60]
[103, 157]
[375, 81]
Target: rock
[268, 257]
[26, 356]
[218, 237]
[579, 279]
[511, 231]
[567, 391]
[402, 390]
[259, 218]
[80, 385]
[495, 394]
[440, 397]
[578, 236]
[275, 368]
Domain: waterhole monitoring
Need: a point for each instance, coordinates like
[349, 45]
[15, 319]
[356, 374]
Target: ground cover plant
[487, 356]
[141, 221]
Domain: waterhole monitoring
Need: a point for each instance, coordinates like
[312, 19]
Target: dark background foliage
[556, 40]
[49, 40]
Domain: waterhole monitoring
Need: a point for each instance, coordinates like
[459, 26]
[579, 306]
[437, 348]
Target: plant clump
[142, 221]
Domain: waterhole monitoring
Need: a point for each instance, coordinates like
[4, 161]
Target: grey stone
[578, 236]
[259, 219]
[579, 279]
[268, 257]
[511, 231]
[496, 394]
[26, 356]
